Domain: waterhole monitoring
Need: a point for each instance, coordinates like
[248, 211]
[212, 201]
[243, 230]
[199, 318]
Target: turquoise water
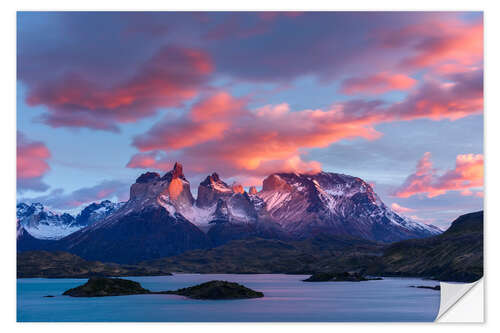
[286, 298]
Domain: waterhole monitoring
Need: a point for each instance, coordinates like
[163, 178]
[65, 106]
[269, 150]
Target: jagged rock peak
[148, 177]
[211, 179]
[177, 171]
[237, 188]
[252, 190]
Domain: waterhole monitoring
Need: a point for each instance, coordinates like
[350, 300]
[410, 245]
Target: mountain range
[45, 224]
[455, 255]
[162, 218]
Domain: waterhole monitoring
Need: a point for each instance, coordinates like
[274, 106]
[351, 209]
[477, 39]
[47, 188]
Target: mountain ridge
[162, 218]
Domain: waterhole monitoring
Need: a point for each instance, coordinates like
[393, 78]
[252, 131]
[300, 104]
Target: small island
[337, 277]
[437, 287]
[213, 290]
[101, 286]
[218, 290]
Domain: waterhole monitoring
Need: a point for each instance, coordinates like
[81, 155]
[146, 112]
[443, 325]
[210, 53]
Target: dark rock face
[99, 287]
[148, 177]
[218, 290]
[337, 277]
[242, 216]
[140, 235]
[252, 190]
[211, 190]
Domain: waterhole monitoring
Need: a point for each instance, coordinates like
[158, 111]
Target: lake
[286, 299]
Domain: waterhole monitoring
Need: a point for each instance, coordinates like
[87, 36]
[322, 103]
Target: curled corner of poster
[461, 302]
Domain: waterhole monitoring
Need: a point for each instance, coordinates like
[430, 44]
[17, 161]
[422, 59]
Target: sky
[395, 98]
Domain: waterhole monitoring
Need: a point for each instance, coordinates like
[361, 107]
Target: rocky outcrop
[215, 290]
[147, 226]
[211, 190]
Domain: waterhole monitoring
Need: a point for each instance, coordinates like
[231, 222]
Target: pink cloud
[400, 209]
[467, 175]
[222, 133]
[252, 142]
[32, 163]
[436, 42]
[168, 78]
[377, 83]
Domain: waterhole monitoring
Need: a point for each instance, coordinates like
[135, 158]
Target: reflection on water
[286, 298]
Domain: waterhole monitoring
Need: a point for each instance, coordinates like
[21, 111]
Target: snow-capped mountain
[232, 213]
[44, 224]
[96, 212]
[308, 205]
[147, 226]
[41, 223]
[162, 218]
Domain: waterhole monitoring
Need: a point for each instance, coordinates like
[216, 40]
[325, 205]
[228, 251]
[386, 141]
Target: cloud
[459, 96]
[32, 163]
[467, 175]
[108, 189]
[377, 83]
[208, 120]
[400, 209]
[148, 61]
[172, 75]
[222, 133]
[253, 142]
[434, 43]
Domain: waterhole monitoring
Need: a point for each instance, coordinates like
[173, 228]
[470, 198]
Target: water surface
[286, 298]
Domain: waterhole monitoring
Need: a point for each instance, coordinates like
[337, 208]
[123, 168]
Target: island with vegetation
[213, 290]
[218, 290]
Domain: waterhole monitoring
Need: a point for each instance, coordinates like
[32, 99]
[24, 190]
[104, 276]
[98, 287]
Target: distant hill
[322, 253]
[455, 255]
[65, 265]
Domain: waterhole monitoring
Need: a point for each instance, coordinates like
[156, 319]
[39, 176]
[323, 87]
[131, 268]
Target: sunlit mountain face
[162, 218]
[305, 121]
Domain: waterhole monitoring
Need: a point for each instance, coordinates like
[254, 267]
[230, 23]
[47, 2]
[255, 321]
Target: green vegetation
[218, 290]
[455, 255]
[324, 253]
[99, 287]
[65, 265]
